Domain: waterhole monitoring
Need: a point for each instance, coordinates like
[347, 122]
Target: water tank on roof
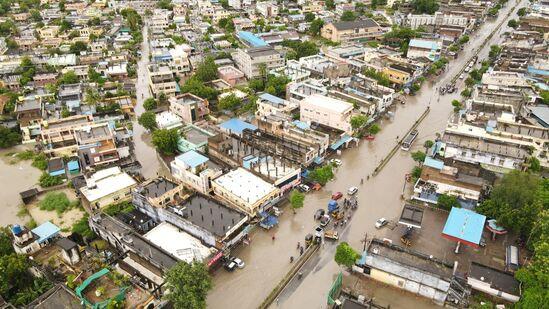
[16, 229]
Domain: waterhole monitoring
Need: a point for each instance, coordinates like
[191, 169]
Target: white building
[179, 244]
[438, 19]
[246, 191]
[161, 80]
[106, 187]
[191, 168]
[327, 111]
[267, 8]
[251, 60]
[268, 104]
[422, 48]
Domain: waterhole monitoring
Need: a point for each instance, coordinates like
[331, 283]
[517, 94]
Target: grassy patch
[23, 211]
[122, 207]
[82, 227]
[58, 202]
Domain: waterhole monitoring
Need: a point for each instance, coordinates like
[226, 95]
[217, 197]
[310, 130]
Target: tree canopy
[517, 200]
[230, 102]
[358, 121]
[374, 129]
[150, 104]
[322, 174]
[446, 202]
[207, 70]
[315, 26]
[400, 37]
[8, 137]
[345, 255]
[188, 285]
[425, 6]
[166, 140]
[196, 86]
[68, 78]
[296, 199]
[348, 16]
[419, 156]
[301, 49]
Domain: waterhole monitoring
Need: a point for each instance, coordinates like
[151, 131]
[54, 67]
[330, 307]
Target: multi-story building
[96, 145]
[422, 48]
[106, 187]
[345, 31]
[438, 19]
[253, 60]
[192, 169]
[189, 107]
[161, 80]
[268, 104]
[231, 75]
[326, 111]
[267, 8]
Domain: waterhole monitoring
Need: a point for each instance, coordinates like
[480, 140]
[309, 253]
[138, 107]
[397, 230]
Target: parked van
[512, 258]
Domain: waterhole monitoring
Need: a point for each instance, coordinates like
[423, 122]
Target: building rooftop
[57, 297]
[325, 102]
[107, 183]
[46, 231]
[179, 244]
[350, 25]
[274, 100]
[464, 225]
[497, 279]
[245, 185]
[261, 51]
[236, 126]
[192, 159]
[210, 214]
[157, 187]
[426, 44]
[251, 39]
[411, 216]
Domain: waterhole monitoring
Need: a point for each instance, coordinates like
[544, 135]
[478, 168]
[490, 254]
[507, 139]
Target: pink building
[231, 75]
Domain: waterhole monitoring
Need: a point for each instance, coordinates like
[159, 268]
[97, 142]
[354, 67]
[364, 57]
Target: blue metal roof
[73, 165]
[236, 125]
[251, 39]
[192, 158]
[433, 45]
[538, 71]
[345, 138]
[302, 125]
[430, 162]
[45, 231]
[271, 98]
[465, 225]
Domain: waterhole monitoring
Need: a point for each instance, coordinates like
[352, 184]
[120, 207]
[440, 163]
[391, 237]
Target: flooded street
[267, 261]
[16, 177]
[144, 150]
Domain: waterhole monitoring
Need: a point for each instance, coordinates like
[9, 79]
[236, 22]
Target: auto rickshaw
[308, 240]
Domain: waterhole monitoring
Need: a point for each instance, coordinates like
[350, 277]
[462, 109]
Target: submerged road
[267, 261]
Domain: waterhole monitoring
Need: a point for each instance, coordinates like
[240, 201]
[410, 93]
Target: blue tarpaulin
[268, 220]
[332, 206]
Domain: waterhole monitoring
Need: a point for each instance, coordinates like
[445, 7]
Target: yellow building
[345, 31]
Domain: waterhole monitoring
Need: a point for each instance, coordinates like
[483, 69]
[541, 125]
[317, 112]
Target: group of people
[301, 250]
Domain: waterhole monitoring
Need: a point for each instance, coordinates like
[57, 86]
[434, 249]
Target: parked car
[331, 234]
[303, 188]
[336, 162]
[381, 222]
[239, 263]
[325, 220]
[230, 266]
[319, 231]
[319, 213]
[352, 190]
[316, 186]
[462, 76]
[337, 196]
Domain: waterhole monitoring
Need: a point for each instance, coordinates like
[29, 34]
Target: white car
[336, 162]
[381, 222]
[239, 263]
[462, 76]
[352, 190]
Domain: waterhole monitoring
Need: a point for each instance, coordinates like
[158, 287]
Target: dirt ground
[65, 221]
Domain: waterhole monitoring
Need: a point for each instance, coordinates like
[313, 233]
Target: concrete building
[251, 60]
[345, 31]
[268, 104]
[296, 92]
[231, 75]
[189, 107]
[246, 191]
[269, 9]
[494, 282]
[192, 169]
[326, 111]
[107, 187]
[161, 80]
[421, 48]
[438, 19]
[97, 145]
[27, 241]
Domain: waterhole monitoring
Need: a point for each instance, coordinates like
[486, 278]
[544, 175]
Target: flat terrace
[485, 146]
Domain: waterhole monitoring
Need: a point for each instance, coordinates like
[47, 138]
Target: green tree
[535, 165]
[330, 4]
[82, 227]
[424, 6]
[195, 86]
[358, 121]
[316, 26]
[348, 16]
[428, 144]
[68, 78]
[5, 242]
[521, 12]
[322, 174]
[419, 156]
[78, 47]
[301, 49]
[345, 255]
[380, 77]
[207, 70]
[13, 268]
[374, 129]
[276, 85]
[95, 77]
[296, 199]
[148, 121]
[457, 105]
[516, 201]
[466, 93]
[309, 17]
[230, 102]
[495, 50]
[188, 284]
[8, 137]
[446, 202]
[166, 140]
[513, 23]
[150, 104]
[46, 180]
[544, 94]
[400, 37]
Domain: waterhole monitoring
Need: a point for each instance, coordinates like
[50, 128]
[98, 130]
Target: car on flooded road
[381, 222]
[337, 196]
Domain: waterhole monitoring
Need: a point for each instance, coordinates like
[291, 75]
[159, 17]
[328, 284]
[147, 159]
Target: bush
[82, 227]
[57, 201]
[446, 202]
[40, 161]
[122, 207]
[46, 180]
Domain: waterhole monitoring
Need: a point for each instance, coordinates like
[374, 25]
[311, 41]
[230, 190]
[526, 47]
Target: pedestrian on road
[361, 180]
[291, 259]
[301, 251]
[298, 245]
[273, 237]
